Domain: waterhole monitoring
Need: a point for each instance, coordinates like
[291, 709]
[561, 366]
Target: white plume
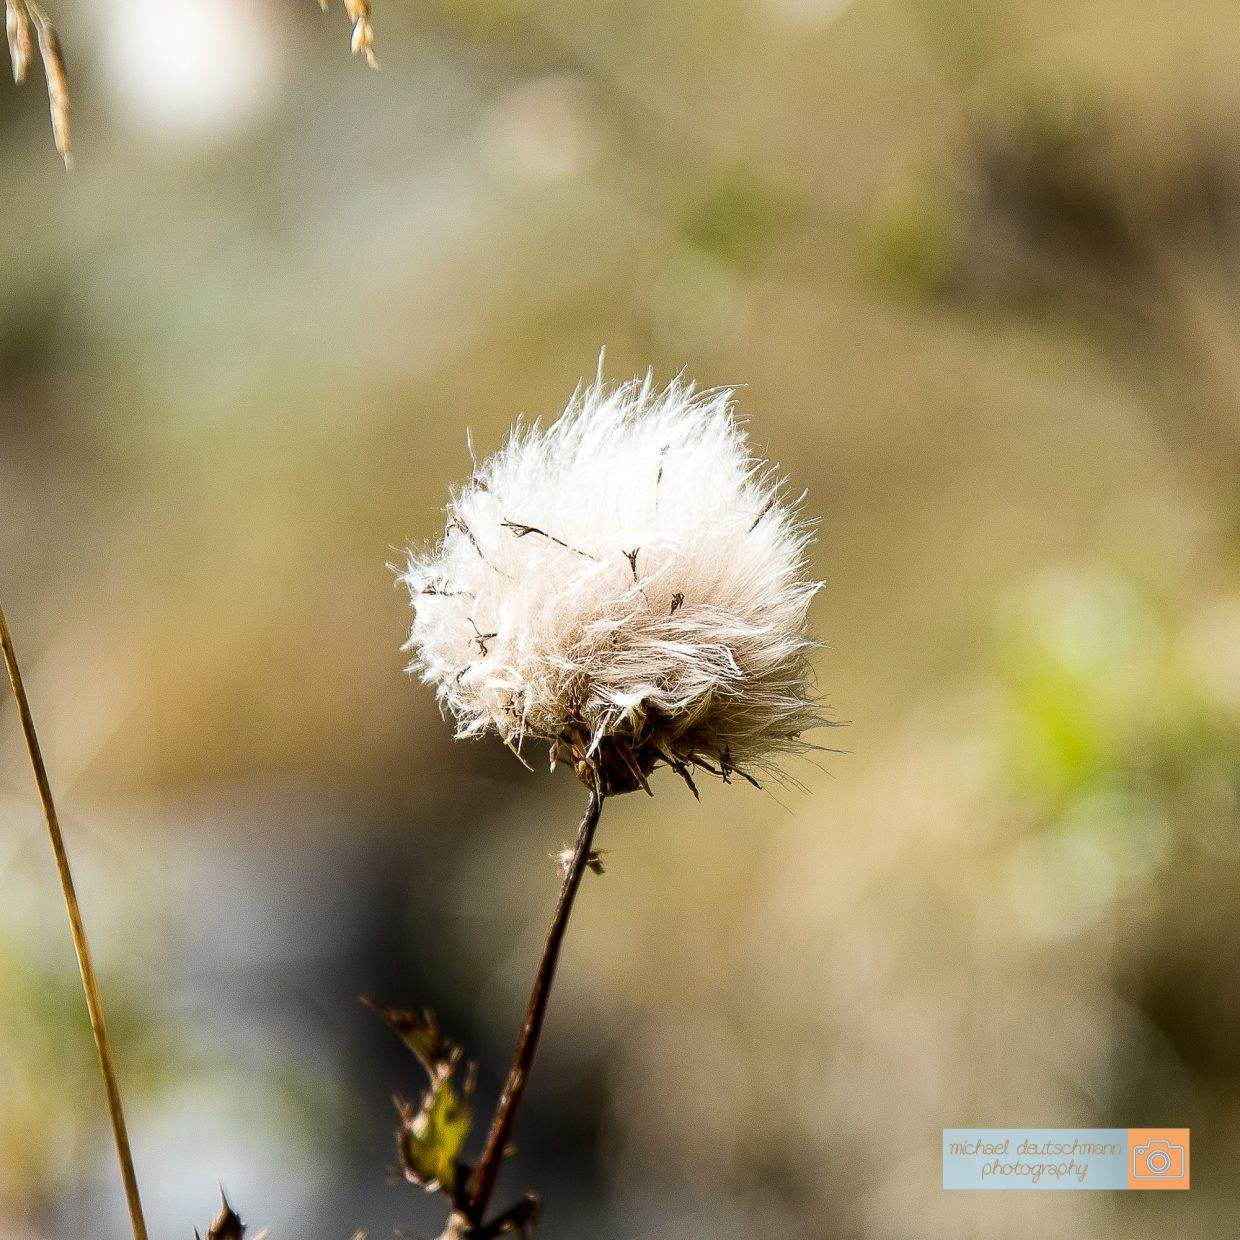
[627, 584]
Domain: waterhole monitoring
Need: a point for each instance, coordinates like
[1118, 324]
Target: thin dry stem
[482, 1182]
[90, 983]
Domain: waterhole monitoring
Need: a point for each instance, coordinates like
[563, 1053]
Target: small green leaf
[430, 1139]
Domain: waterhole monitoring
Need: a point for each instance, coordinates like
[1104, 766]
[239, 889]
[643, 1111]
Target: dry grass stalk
[363, 41]
[25, 24]
[90, 982]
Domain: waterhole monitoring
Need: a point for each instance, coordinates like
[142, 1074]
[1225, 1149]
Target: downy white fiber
[628, 584]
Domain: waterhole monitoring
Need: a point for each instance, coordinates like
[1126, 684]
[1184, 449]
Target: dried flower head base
[228, 1225]
[27, 26]
[627, 585]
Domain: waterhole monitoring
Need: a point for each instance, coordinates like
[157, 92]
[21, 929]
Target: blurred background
[977, 266]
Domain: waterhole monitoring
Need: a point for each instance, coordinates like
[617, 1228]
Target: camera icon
[1158, 1159]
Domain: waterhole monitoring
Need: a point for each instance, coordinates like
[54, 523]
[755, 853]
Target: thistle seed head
[627, 584]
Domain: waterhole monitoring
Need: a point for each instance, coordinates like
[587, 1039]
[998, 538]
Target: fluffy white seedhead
[627, 584]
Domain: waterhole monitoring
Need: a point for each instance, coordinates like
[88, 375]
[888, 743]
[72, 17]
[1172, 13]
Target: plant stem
[94, 1003]
[482, 1182]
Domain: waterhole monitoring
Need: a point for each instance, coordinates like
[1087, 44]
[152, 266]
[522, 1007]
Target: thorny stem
[94, 1003]
[482, 1182]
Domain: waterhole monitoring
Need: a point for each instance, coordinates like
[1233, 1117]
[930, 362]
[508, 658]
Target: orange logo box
[1158, 1158]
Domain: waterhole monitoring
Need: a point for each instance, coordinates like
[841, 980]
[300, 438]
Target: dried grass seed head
[627, 584]
[27, 26]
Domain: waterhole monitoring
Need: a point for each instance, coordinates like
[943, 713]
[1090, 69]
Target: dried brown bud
[227, 1224]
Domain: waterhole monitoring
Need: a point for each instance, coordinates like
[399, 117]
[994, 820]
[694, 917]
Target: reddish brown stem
[482, 1182]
